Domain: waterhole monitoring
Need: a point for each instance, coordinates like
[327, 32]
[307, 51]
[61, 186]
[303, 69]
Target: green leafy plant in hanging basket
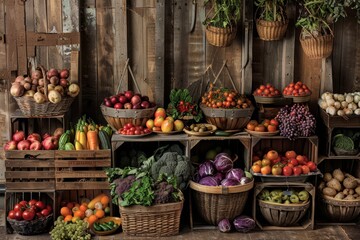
[221, 21]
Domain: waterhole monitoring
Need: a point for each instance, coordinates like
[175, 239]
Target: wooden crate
[338, 121]
[13, 197]
[270, 110]
[307, 222]
[81, 169]
[307, 146]
[24, 173]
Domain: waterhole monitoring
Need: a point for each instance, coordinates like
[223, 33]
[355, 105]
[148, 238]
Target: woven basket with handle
[271, 30]
[216, 203]
[338, 210]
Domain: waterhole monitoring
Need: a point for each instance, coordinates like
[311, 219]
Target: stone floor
[349, 232]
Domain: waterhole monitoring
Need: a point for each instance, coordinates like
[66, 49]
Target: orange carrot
[92, 138]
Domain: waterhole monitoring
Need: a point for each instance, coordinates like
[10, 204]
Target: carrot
[93, 141]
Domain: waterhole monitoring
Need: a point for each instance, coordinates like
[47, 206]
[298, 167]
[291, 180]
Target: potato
[346, 191]
[327, 177]
[328, 191]
[321, 185]
[349, 197]
[340, 195]
[334, 184]
[357, 190]
[350, 183]
[338, 174]
[351, 191]
[356, 195]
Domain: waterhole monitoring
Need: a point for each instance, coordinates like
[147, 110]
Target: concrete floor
[351, 232]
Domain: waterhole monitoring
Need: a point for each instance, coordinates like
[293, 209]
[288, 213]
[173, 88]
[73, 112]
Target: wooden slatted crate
[30, 170]
[82, 169]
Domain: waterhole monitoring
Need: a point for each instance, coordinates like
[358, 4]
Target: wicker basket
[339, 211]
[30, 108]
[220, 37]
[316, 48]
[117, 118]
[33, 227]
[216, 203]
[271, 30]
[154, 221]
[342, 152]
[227, 119]
[283, 215]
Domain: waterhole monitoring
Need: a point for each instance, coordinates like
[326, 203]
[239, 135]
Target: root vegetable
[351, 176]
[327, 177]
[334, 184]
[54, 96]
[34, 88]
[349, 98]
[329, 192]
[355, 195]
[348, 111]
[357, 111]
[27, 86]
[350, 183]
[338, 174]
[51, 87]
[36, 74]
[20, 80]
[346, 191]
[29, 93]
[340, 195]
[54, 80]
[331, 110]
[74, 90]
[322, 186]
[35, 82]
[337, 105]
[41, 82]
[17, 90]
[351, 191]
[60, 89]
[39, 97]
[27, 80]
[357, 190]
[349, 197]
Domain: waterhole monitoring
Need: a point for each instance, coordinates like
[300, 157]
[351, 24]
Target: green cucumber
[104, 140]
[222, 133]
[104, 227]
[97, 227]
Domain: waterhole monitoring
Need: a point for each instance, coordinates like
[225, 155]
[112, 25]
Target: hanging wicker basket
[216, 203]
[337, 210]
[220, 37]
[271, 30]
[317, 48]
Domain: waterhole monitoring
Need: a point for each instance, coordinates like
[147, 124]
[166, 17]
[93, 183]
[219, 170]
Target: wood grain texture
[54, 18]
[41, 25]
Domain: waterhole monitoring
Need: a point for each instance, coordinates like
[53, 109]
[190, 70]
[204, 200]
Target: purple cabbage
[244, 223]
[245, 180]
[206, 169]
[218, 176]
[235, 173]
[208, 181]
[229, 182]
[223, 162]
[224, 225]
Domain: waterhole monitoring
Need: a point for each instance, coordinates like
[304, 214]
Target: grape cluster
[296, 121]
[70, 231]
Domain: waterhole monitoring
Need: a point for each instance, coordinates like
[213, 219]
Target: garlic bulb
[337, 105]
[340, 112]
[348, 111]
[349, 98]
[352, 106]
[344, 104]
[356, 98]
[330, 102]
[341, 97]
[326, 95]
[331, 110]
[357, 111]
[322, 104]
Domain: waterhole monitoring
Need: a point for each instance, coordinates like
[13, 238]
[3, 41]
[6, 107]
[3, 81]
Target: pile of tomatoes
[296, 89]
[267, 90]
[267, 125]
[224, 98]
[131, 129]
[29, 210]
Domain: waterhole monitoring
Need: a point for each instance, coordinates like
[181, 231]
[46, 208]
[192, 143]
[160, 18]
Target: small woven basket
[271, 30]
[283, 215]
[227, 119]
[337, 210]
[117, 118]
[319, 47]
[220, 37]
[33, 227]
[216, 203]
[153, 221]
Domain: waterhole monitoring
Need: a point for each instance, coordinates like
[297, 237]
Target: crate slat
[83, 154]
[20, 154]
[80, 174]
[81, 185]
[21, 186]
[30, 174]
[83, 163]
[29, 163]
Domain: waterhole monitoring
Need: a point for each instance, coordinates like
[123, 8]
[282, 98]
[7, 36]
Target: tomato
[18, 215]
[146, 130]
[297, 170]
[131, 132]
[287, 171]
[312, 166]
[32, 202]
[45, 212]
[19, 207]
[28, 214]
[226, 94]
[11, 214]
[49, 208]
[137, 132]
[23, 202]
[266, 91]
[262, 87]
[40, 205]
[227, 104]
[305, 169]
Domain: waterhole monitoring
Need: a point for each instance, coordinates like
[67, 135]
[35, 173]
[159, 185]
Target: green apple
[287, 201]
[303, 195]
[294, 198]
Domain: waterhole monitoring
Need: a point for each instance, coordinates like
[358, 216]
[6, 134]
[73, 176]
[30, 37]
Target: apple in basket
[34, 137]
[54, 96]
[10, 145]
[50, 143]
[23, 145]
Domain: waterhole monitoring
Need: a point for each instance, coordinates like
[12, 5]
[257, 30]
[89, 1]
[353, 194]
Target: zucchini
[97, 227]
[222, 133]
[104, 227]
[64, 138]
[104, 140]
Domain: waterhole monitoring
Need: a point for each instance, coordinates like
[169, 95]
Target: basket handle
[45, 82]
[224, 66]
[127, 66]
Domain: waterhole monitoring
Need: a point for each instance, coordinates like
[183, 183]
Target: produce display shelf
[30, 170]
[307, 222]
[338, 121]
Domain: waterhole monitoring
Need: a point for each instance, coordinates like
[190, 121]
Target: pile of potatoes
[340, 185]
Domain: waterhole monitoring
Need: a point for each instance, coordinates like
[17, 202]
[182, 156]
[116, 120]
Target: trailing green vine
[223, 13]
[271, 10]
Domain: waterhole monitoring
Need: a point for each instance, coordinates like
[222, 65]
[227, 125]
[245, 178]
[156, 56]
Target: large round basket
[30, 108]
[227, 119]
[216, 203]
[33, 227]
[319, 47]
[283, 215]
[337, 210]
[154, 221]
[117, 118]
[220, 37]
[271, 30]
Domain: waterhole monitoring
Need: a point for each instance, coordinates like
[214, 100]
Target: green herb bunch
[181, 105]
[223, 13]
[271, 10]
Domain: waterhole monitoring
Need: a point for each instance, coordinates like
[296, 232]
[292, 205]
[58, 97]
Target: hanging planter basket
[220, 37]
[271, 30]
[317, 47]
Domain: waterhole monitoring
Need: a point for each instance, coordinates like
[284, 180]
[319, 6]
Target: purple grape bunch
[296, 121]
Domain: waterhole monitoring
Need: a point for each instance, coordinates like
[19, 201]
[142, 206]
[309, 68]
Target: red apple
[287, 171]
[293, 161]
[145, 104]
[305, 169]
[108, 103]
[23, 145]
[145, 98]
[52, 72]
[297, 170]
[113, 99]
[35, 145]
[49, 143]
[312, 166]
[10, 145]
[136, 106]
[45, 136]
[64, 73]
[34, 137]
[18, 136]
[123, 99]
[136, 99]
[129, 94]
[118, 105]
[63, 82]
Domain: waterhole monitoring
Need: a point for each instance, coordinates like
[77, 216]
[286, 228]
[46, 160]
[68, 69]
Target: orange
[256, 168]
[92, 219]
[105, 200]
[68, 218]
[80, 214]
[100, 213]
[265, 170]
[83, 207]
[64, 211]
